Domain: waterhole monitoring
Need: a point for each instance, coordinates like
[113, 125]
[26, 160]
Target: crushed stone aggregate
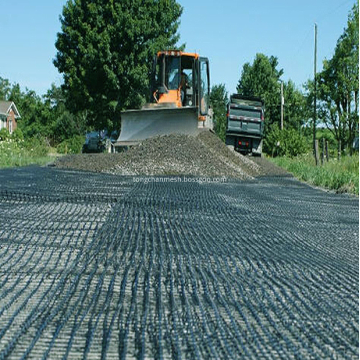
[201, 155]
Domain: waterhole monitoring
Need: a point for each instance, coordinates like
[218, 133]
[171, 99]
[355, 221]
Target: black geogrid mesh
[99, 266]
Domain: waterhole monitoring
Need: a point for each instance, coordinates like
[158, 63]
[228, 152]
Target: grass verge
[341, 176]
[15, 161]
[13, 154]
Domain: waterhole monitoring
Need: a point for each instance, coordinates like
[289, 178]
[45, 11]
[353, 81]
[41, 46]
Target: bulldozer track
[101, 266]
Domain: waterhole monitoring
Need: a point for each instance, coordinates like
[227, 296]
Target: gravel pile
[201, 155]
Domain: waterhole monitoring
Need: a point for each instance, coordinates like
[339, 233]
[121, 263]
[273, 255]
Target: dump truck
[180, 94]
[245, 124]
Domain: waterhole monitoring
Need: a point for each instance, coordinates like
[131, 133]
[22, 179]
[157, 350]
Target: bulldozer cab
[180, 93]
[182, 79]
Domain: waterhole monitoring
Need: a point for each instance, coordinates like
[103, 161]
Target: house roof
[6, 106]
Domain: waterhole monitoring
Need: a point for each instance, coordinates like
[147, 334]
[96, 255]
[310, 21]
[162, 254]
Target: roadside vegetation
[293, 152]
[17, 151]
[338, 175]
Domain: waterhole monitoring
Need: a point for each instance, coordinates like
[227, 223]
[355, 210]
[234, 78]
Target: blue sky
[228, 32]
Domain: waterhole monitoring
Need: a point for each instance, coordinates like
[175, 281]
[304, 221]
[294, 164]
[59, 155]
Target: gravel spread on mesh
[201, 155]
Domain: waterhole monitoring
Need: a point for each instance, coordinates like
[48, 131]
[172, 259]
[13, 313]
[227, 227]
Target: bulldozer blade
[137, 125]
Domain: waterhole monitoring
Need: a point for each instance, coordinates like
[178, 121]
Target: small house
[9, 115]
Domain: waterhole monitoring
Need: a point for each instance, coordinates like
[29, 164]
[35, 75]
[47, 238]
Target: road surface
[101, 266]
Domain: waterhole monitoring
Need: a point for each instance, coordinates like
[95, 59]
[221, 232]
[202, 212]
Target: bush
[4, 134]
[72, 145]
[21, 153]
[17, 135]
[36, 146]
[287, 142]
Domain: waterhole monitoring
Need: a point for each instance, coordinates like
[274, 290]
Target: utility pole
[314, 123]
[282, 107]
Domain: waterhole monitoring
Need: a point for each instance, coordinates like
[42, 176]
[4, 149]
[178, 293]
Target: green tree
[218, 101]
[5, 89]
[295, 107]
[287, 142]
[262, 79]
[338, 84]
[105, 52]
[63, 124]
[44, 117]
[35, 120]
